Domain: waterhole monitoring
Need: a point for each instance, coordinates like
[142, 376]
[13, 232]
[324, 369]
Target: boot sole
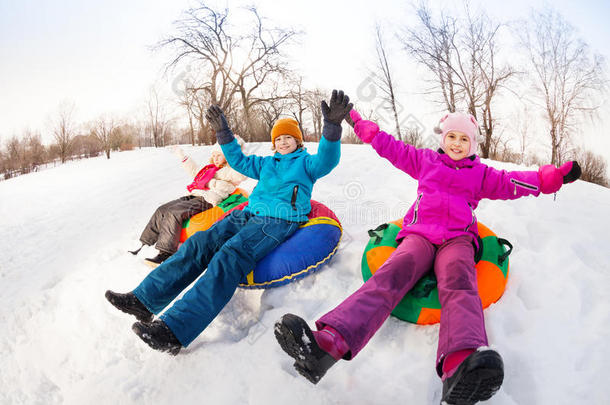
[152, 265]
[140, 330]
[286, 332]
[479, 382]
[139, 316]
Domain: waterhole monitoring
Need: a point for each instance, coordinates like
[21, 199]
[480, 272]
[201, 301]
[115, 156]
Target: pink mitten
[365, 130]
[552, 178]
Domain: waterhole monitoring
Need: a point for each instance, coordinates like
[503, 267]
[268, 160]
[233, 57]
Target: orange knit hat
[286, 126]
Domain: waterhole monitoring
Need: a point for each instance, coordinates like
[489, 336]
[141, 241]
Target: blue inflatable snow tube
[308, 249]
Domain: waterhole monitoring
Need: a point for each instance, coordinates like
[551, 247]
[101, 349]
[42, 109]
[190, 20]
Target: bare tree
[124, 136]
[187, 100]
[594, 167]
[201, 102]
[102, 129]
[462, 56]
[566, 78]
[23, 154]
[499, 148]
[297, 103]
[86, 146]
[4, 165]
[431, 45]
[235, 65]
[384, 82]
[63, 129]
[485, 77]
[157, 117]
[35, 150]
[14, 156]
[414, 136]
[270, 112]
[313, 98]
[141, 128]
[521, 126]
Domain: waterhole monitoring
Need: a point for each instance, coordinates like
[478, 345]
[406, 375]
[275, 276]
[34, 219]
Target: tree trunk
[192, 130]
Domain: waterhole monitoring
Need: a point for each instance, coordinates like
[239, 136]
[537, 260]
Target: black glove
[216, 118]
[218, 121]
[349, 120]
[573, 174]
[337, 110]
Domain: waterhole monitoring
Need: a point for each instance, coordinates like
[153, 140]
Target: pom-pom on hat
[286, 126]
[464, 123]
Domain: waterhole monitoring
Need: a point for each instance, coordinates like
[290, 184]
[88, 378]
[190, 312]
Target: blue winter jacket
[284, 181]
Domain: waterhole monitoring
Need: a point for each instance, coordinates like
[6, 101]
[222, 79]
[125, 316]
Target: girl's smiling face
[456, 145]
[218, 158]
[285, 144]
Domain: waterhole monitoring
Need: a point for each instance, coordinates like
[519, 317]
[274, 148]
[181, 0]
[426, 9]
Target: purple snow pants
[462, 326]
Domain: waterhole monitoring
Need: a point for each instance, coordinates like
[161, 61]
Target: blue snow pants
[229, 250]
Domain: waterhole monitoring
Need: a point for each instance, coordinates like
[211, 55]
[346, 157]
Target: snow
[64, 240]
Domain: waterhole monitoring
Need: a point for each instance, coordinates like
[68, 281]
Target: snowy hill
[64, 240]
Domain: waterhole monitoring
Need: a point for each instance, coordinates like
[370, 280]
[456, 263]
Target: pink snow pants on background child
[462, 326]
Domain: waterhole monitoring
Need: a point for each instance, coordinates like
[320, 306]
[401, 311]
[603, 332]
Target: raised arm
[403, 156]
[503, 185]
[249, 166]
[188, 163]
[329, 150]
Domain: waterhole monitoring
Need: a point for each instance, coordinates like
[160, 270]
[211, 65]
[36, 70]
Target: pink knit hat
[461, 122]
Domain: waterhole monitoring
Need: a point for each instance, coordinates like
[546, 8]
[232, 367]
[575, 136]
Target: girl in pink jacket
[439, 232]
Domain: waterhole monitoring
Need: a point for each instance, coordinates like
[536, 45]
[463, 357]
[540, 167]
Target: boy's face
[457, 145]
[285, 144]
[218, 158]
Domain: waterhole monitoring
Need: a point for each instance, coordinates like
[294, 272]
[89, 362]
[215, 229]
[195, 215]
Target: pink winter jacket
[449, 191]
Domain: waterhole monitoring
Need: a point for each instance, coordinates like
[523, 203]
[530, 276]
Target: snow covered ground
[64, 239]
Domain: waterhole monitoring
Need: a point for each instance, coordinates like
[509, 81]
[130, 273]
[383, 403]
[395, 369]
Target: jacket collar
[278, 156]
[469, 161]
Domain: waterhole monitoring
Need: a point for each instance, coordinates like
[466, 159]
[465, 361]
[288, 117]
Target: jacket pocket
[474, 218]
[523, 185]
[416, 209]
[293, 200]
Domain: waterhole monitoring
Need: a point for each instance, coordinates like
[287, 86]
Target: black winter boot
[158, 336]
[478, 377]
[295, 337]
[130, 304]
[158, 259]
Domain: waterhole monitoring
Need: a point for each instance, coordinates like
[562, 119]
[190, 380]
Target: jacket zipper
[293, 201]
[524, 185]
[419, 197]
[473, 218]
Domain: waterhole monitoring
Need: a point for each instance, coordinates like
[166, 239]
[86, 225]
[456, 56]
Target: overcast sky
[97, 54]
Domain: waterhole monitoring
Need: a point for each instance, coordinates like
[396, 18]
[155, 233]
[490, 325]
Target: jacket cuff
[225, 136]
[331, 131]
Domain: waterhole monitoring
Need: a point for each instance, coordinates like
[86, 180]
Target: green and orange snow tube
[421, 304]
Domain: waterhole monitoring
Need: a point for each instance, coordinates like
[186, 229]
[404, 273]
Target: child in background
[439, 232]
[230, 249]
[211, 185]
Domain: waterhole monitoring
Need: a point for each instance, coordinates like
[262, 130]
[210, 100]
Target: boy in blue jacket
[231, 248]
